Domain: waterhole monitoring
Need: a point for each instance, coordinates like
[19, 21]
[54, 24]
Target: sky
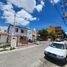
[38, 14]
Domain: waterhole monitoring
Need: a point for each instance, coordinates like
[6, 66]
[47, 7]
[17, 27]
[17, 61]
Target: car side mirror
[66, 46]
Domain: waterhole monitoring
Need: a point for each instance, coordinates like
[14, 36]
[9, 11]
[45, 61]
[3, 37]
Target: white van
[57, 50]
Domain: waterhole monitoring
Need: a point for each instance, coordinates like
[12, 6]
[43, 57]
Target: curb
[18, 49]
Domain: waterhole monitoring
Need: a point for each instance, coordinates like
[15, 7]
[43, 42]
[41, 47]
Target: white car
[57, 50]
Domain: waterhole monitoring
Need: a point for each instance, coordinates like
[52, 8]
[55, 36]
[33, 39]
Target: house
[21, 33]
[34, 34]
[3, 34]
[29, 34]
[3, 37]
[59, 33]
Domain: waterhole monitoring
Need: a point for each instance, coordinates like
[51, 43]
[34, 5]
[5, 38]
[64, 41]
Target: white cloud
[42, 3]
[40, 6]
[22, 21]
[17, 21]
[54, 1]
[9, 16]
[28, 5]
[22, 16]
[8, 6]
[1, 5]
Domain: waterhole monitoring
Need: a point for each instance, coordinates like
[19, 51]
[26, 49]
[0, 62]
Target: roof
[3, 33]
[19, 26]
[60, 42]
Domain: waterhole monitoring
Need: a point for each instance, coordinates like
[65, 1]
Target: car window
[56, 45]
[66, 46]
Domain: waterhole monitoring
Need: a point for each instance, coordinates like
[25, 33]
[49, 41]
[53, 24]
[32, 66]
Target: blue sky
[41, 16]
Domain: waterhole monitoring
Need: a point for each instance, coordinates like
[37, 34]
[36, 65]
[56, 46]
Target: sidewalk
[18, 49]
[30, 45]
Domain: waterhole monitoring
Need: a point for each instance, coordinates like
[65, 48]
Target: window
[57, 45]
[22, 31]
[16, 29]
[29, 32]
[5, 31]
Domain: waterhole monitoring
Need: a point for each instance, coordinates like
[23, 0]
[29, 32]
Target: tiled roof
[3, 33]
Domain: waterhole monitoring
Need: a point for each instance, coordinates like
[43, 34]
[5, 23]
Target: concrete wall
[3, 38]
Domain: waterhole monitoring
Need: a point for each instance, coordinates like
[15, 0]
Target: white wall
[29, 34]
[12, 31]
[3, 38]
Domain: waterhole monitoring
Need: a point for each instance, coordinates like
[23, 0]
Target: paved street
[22, 58]
[31, 57]
[48, 62]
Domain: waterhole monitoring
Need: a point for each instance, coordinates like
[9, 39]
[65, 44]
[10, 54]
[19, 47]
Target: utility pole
[14, 22]
[13, 37]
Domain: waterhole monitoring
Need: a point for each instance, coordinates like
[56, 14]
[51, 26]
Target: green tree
[51, 35]
[43, 35]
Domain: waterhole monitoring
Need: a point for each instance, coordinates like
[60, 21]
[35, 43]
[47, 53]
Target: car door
[66, 48]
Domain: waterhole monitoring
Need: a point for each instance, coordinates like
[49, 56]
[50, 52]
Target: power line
[59, 13]
[57, 9]
[64, 6]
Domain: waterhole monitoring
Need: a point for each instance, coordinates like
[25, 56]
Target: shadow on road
[56, 61]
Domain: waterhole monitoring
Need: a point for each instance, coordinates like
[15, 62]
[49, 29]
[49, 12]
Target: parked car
[65, 39]
[59, 40]
[57, 50]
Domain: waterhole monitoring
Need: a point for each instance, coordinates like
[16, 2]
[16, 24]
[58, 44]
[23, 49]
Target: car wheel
[45, 55]
[64, 61]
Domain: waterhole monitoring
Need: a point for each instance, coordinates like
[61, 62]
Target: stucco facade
[20, 33]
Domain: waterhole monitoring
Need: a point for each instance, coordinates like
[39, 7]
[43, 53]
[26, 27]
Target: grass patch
[4, 45]
[12, 48]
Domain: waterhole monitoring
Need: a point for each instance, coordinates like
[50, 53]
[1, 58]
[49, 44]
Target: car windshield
[57, 45]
